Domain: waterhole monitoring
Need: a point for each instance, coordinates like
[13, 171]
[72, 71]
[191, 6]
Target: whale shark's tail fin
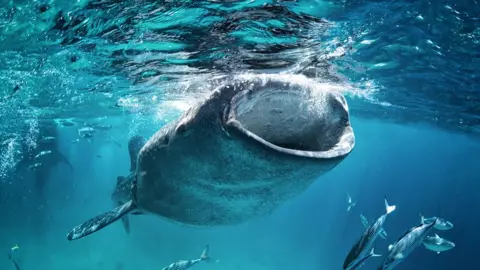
[135, 144]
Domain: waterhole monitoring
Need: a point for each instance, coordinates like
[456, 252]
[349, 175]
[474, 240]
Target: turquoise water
[407, 68]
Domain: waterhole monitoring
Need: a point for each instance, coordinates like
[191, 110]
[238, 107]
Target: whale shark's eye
[181, 129]
[166, 140]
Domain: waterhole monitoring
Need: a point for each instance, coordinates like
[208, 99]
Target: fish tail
[204, 255]
[422, 219]
[373, 254]
[389, 208]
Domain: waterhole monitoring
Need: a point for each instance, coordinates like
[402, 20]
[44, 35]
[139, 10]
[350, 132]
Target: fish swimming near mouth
[256, 141]
[367, 240]
[437, 244]
[383, 234]
[442, 224]
[406, 244]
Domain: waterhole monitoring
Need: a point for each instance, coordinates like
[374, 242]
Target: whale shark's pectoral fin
[125, 222]
[99, 222]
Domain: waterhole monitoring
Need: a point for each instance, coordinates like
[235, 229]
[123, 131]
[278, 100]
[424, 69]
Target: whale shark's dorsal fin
[101, 221]
[135, 144]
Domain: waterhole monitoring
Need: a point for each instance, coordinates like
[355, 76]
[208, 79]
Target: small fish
[359, 263]
[66, 123]
[47, 139]
[366, 241]
[366, 224]
[99, 156]
[15, 247]
[406, 244]
[437, 244]
[75, 141]
[86, 132]
[17, 267]
[184, 265]
[442, 224]
[103, 127]
[350, 202]
[43, 153]
[34, 166]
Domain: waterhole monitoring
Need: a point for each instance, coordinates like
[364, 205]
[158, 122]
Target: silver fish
[188, 264]
[406, 244]
[350, 202]
[437, 244]
[359, 263]
[43, 153]
[365, 243]
[442, 224]
[34, 166]
[366, 224]
[47, 139]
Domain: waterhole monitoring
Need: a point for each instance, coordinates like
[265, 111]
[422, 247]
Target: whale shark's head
[295, 117]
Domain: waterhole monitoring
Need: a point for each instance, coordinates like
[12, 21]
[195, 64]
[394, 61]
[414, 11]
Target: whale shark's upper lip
[291, 118]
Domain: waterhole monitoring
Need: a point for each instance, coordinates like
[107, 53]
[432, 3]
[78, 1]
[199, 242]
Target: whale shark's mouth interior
[288, 118]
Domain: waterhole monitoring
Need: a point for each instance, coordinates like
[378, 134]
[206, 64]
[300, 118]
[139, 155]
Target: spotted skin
[99, 222]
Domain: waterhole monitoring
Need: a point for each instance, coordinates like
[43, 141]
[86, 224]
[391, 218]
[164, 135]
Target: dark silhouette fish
[13, 261]
[43, 158]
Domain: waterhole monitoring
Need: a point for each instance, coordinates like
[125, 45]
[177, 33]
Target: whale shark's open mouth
[293, 119]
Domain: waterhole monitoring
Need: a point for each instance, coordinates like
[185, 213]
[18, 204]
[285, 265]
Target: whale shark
[255, 142]
[42, 158]
[122, 192]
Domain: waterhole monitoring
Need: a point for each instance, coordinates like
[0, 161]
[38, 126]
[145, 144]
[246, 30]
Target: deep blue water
[409, 70]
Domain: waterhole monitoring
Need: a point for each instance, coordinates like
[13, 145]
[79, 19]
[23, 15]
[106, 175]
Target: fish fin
[349, 207]
[126, 223]
[422, 219]
[204, 255]
[399, 256]
[390, 247]
[97, 223]
[383, 234]
[364, 220]
[437, 236]
[389, 208]
[373, 254]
